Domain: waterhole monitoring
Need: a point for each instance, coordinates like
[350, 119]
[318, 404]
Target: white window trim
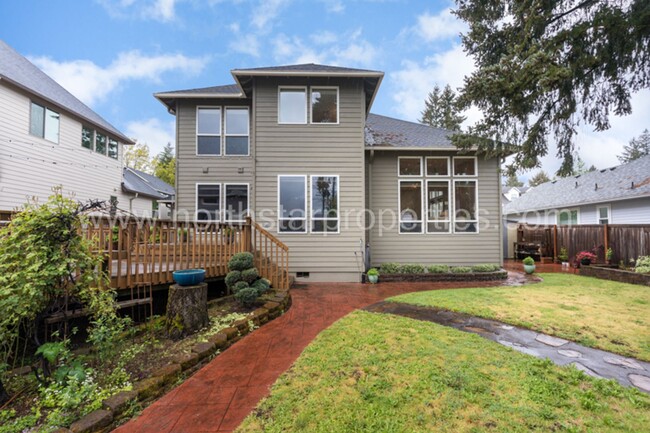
[225, 129]
[426, 170]
[609, 213]
[453, 166]
[223, 201]
[45, 108]
[338, 206]
[399, 206]
[196, 201]
[307, 104]
[426, 207]
[279, 212]
[338, 106]
[220, 135]
[571, 209]
[478, 218]
[409, 176]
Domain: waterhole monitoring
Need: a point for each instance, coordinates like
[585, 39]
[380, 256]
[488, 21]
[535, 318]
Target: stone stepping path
[594, 362]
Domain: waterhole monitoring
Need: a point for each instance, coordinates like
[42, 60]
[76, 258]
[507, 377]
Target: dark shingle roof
[307, 68]
[613, 184]
[228, 89]
[389, 132]
[136, 181]
[21, 72]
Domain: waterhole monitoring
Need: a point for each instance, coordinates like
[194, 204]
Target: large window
[567, 217]
[438, 215]
[44, 123]
[208, 200]
[410, 206]
[324, 204]
[466, 215]
[237, 131]
[208, 131]
[236, 202]
[324, 105]
[292, 203]
[292, 105]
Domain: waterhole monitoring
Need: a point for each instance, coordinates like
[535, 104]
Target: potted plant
[373, 275]
[585, 258]
[529, 265]
[608, 255]
[563, 257]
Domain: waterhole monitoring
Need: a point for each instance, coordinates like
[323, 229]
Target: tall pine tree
[441, 109]
[637, 148]
[539, 178]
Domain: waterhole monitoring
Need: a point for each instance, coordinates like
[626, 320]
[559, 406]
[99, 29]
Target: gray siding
[635, 211]
[388, 245]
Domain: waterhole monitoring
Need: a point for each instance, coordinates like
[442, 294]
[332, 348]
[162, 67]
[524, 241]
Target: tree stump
[187, 310]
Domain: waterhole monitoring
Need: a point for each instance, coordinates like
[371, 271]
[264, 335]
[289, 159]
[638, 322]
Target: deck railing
[271, 256]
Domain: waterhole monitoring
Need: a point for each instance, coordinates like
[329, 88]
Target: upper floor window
[292, 105]
[112, 148]
[44, 123]
[100, 143]
[324, 105]
[208, 131]
[87, 138]
[237, 126]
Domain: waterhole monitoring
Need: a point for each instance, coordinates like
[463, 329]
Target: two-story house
[49, 138]
[296, 148]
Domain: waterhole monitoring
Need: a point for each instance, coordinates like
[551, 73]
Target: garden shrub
[411, 268]
[642, 265]
[262, 286]
[241, 262]
[233, 278]
[246, 296]
[250, 275]
[241, 285]
[389, 268]
[485, 267]
[461, 270]
[438, 269]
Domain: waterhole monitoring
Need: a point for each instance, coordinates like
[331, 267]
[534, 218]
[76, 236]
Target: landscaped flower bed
[394, 272]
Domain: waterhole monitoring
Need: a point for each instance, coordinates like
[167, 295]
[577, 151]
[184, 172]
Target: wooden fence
[627, 241]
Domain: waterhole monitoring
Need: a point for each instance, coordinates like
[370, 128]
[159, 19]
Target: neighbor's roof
[19, 71]
[136, 181]
[382, 131]
[600, 186]
[228, 90]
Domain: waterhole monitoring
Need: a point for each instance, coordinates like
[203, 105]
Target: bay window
[292, 204]
[324, 204]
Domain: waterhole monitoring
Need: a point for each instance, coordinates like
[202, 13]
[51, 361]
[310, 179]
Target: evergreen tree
[637, 148]
[539, 178]
[441, 109]
[164, 165]
[513, 180]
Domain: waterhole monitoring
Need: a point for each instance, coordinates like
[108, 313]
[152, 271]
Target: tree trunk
[187, 310]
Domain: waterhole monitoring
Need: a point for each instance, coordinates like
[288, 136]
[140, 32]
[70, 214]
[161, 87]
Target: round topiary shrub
[250, 275]
[241, 262]
[246, 296]
[232, 278]
[262, 285]
[239, 286]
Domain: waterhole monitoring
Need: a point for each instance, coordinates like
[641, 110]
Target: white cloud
[334, 6]
[159, 10]
[246, 44]
[442, 26]
[92, 83]
[154, 132]
[324, 37]
[266, 12]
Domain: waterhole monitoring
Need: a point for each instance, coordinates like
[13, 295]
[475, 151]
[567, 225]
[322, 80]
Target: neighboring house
[617, 195]
[514, 192]
[48, 137]
[296, 147]
[148, 190]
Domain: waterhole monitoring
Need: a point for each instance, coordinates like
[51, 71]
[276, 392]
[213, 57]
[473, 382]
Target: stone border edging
[447, 276]
[155, 386]
[618, 275]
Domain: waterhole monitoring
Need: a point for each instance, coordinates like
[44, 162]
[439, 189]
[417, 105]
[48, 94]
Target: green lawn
[383, 373]
[597, 313]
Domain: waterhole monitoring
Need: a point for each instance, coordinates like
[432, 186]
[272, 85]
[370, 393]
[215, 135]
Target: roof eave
[415, 148]
[140, 193]
[262, 73]
[586, 203]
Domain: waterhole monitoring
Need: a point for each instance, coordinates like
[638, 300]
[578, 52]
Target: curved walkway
[220, 395]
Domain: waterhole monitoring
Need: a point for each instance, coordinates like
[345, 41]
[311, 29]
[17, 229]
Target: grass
[382, 373]
[596, 313]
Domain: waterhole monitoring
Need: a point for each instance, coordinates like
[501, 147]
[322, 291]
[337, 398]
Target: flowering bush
[586, 255]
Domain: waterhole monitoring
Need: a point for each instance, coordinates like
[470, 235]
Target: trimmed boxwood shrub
[411, 268]
[232, 278]
[389, 268]
[438, 269]
[250, 275]
[262, 286]
[241, 262]
[239, 286]
[486, 267]
[246, 296]
[461, 270]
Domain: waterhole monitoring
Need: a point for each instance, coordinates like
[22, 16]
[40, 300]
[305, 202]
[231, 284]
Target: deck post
[247, 235]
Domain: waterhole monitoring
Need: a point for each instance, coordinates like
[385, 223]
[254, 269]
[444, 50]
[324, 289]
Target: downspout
[131, 202]
[502, 221]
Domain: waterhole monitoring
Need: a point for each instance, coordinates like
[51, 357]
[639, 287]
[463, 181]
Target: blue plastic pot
[189, 277]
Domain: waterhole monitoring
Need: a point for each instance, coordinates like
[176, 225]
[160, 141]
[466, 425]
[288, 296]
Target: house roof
[136, 181]
[229, 90]
[383, 131]
[307, 68]
[600, 186]
[17, 70]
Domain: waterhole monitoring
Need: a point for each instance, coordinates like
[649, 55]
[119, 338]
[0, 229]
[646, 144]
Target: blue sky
[114, 54]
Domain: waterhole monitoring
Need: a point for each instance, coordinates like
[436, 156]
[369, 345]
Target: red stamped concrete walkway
[220, 395]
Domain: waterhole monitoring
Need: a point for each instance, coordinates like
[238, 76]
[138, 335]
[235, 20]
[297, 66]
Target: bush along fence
[394, 272]
[628, 242]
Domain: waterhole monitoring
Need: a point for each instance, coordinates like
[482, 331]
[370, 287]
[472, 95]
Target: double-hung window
[208, 131]
[324, 204]
[604, 214]
[208, 202]
[44, 123]
[236, 202]
[292, 105]
[324, 105]
[292, 204]
[236, 128]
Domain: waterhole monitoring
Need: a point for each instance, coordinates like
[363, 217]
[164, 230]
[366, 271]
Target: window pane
[296, 226]
[410, 206]
[87, 137]
[464, 167]
[292, 197]
[208, 145]
[437, 167]
[324, 105]
[37, 120]
[330, 226]
[208, 201]
[438, 200]
[410, 166]
[236, 145]
[466, 227]
[324, 196]
[236, 202]
[237, 121]
[465, 194]
[209, 121]
[438, 227]
[293, 106]
[100, 143]
[603, 211]
[51, 126]
[112, 148]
